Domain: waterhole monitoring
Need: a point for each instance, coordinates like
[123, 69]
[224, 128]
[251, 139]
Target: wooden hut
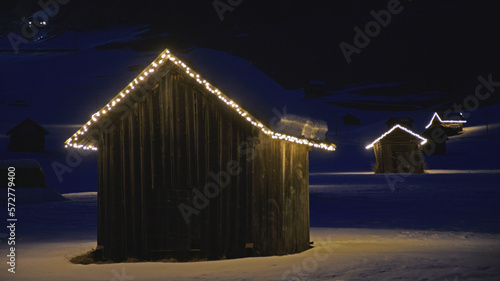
[187, 172]
[403, 121]
[398, 151]
[452, 122]
[350, 119]
[27, 136]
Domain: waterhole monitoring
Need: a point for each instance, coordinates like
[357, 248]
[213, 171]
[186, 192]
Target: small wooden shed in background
[398, 151]
[27, 136]
[187, 172]
[452, 123]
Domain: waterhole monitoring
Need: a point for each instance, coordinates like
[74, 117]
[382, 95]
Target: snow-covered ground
[442, 225]
[51, 233]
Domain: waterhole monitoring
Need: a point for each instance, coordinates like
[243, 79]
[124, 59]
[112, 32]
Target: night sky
[426, 45]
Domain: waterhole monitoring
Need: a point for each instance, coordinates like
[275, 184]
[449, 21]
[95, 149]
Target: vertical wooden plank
[203, 160]
[136, 181]
[129, 230]
[101, 196]
[145, 175]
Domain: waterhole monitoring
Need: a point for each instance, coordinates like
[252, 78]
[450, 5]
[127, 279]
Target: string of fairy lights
[424, 140]
[443, 121]
[163, 58]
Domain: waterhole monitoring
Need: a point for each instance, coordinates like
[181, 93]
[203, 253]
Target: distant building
[398, 151]
[27, 136]
[350, 119]
[452, 122]
[436, 141]
[314, 89]
[403, 121]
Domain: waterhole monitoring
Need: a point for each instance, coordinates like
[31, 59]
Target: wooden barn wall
[174, 141]
[281, 198]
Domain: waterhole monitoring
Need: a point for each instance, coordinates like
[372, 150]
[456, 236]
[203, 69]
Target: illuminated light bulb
[118, 100]
[122, 94]
[88, 123]
[113, 103]
[160, 62]
[104, 111]
[197, 76]
[136, 82]
[163, 56]
[154, 64]
[168, 52]
[145, 74]
[127, 91]
[98, 114]
[66, 146]
[132, 87]
[192, 75]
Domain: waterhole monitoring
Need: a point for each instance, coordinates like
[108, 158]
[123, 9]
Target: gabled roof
[459, 119]
[78, 140]
[26, 124]
[424, 140]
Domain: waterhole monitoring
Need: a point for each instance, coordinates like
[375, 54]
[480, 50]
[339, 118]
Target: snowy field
[350, 244]
[442, 225]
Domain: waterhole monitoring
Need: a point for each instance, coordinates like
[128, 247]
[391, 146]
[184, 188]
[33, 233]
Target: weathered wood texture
[398, 152]
[179, 146]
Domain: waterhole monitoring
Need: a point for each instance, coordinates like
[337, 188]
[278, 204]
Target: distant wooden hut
[186, 172]
[27, 136]
[452, 122]
[406, 122]
[436, 141]
[398, 151]
[350, 119]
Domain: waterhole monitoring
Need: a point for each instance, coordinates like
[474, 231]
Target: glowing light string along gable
[424, 140]
[161, 59]
[443, 121]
